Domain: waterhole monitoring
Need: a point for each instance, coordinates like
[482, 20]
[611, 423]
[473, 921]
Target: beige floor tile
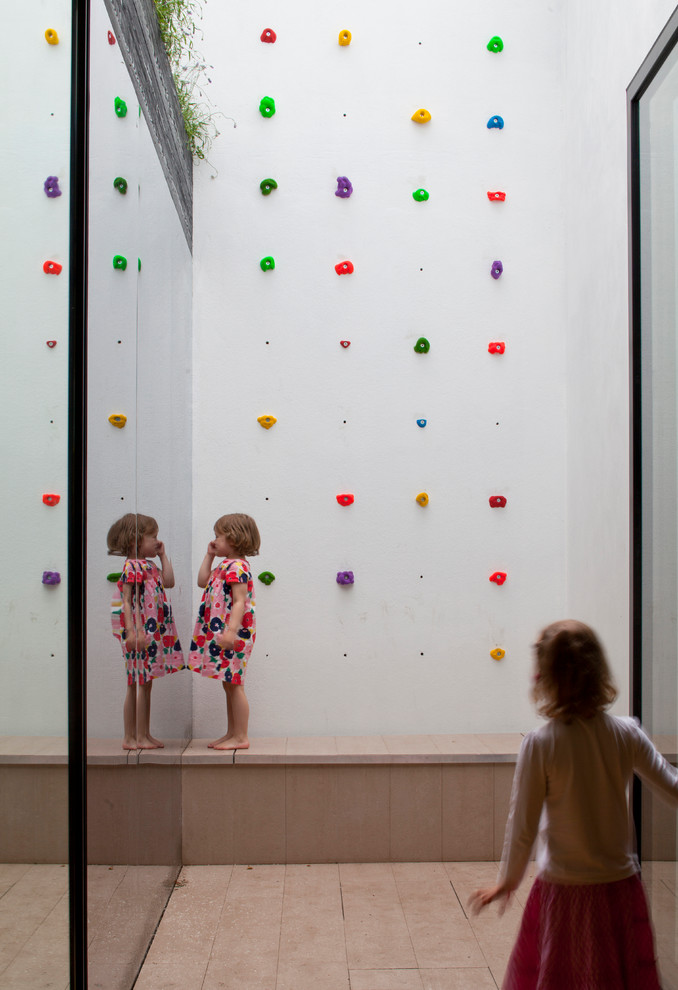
[246, 964]
[385, 979]
[458, 979]
[312, 976]
[362, 872]
[371, 951]
[43, 960]
[419, 871]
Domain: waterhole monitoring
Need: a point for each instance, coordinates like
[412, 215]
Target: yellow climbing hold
[421, 116]
[422, 498]
[497, 653]
[344, 38]
[267, 421]
[117, 419]
[51, 37]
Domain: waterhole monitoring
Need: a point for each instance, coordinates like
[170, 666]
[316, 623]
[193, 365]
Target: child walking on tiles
[225, 629]
[586, 923]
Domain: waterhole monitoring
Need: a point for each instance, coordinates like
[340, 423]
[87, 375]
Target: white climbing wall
[406, 649]
[34, 435]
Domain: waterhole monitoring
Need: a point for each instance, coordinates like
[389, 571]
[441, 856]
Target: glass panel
[658, 118]
[34, 253]
[139, 369]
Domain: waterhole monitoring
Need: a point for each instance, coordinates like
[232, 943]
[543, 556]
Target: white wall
[406, 649]
[140, 365]
[34, 383]
[606, 45]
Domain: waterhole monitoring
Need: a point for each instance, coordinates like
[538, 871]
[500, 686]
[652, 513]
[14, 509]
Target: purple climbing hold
[344, 187]
[497, 269]
[51, 577]
[345, 577]
[52, 186]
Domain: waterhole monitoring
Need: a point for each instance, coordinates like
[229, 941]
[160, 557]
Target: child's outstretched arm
[206, 566]
[479, 899]
[226, 638]
[167, 570]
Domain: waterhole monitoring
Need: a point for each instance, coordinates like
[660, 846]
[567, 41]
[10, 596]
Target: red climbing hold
[345, 343]
[497, 197]
[51, 343]
[111, 38]
[50, 499]
[497, 501]
[52, 268]
[344, 268]
[268, 35]
[496, 347]
[498, 577]
[345, 499]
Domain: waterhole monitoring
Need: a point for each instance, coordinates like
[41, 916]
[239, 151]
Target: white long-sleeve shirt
[571, 786]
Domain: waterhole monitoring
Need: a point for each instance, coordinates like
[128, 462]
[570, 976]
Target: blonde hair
[125, 535]
[240, 530]
[573, 677]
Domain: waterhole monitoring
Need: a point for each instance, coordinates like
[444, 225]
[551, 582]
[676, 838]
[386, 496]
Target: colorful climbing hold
[120, 107]
[345, 499]
[496, 347]
[51, 37]
[52, 187]
[422, 498]
[118, 420]
[497, 653]
[345, 343]
[269, 36]
[496, 269]
[266, 577]
[267, 264]
[496, 197]
[111, 38]
[498, 577]
[497, 501]
[267, 421]
[267, 186]
[344, 268]
[420, 195]
[345, 577]
[114, 576]
[50, 499]
[422, 346]
[267, 106]
[120, 262]
[52, 268]
[51, 343]
[496, 122]
[344, 38]
[51, 577]
[422, 423]
[138, 264]
[421, 116]
[120, 184]
[344, 187]
[495, 44]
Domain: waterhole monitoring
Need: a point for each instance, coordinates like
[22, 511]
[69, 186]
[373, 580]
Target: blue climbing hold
[496, 121]
[421, 422]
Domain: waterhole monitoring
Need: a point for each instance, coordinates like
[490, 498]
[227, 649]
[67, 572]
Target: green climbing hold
[495, 44]
[114, 577]
[120, 107]
[267, 264]
[120, 184]
[266, 577]
[420, 195]
[120, 262]
[422, 346]
[138, 264]
[267, 106]
[267, 186]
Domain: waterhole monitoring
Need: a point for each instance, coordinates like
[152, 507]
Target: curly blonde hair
[573, 677]
[125, 534]
[240, 530]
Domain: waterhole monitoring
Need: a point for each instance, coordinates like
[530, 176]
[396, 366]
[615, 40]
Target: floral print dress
[205, 656]
[163, 654]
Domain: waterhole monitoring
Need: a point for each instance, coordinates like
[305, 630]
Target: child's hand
[225, 639]
[160, 552]
[211, 548]
[480, 899]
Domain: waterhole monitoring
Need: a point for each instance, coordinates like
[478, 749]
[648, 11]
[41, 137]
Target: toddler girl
[225, 628]
[586, 922]
[143, 622]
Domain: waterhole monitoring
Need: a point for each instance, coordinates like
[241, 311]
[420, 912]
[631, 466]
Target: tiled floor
[400, 926]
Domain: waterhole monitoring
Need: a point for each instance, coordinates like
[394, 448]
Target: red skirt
[584, 937]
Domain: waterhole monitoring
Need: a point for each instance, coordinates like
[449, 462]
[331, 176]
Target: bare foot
[129, 744]
[148, 743]
[156, 742]
[232, 744]
[219, 741]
